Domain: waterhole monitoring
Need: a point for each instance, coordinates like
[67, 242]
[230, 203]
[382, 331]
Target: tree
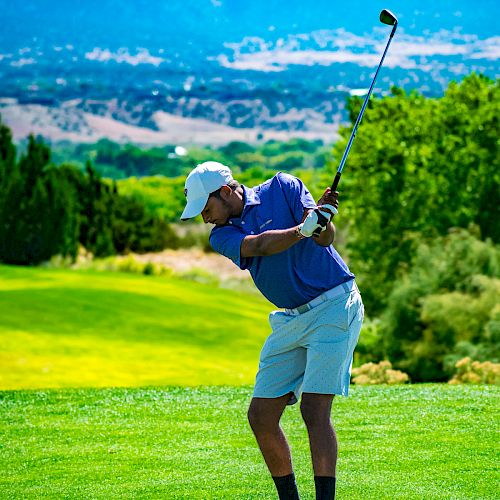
[47, 210]
[7, 171]
[7, 154]
[63, 196]
[418, 167]
[96, 201]
[27, 213]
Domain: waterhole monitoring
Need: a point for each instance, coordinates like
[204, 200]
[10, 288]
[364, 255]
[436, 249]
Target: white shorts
[310, 348]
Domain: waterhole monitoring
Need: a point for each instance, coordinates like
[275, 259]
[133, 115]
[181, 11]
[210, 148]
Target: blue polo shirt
[291, 278]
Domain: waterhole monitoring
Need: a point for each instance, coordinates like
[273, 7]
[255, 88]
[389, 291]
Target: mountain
[167, 71]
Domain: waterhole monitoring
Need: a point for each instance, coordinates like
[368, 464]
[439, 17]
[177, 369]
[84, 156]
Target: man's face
[217, 211]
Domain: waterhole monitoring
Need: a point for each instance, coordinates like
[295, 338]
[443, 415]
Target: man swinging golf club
[278, 232]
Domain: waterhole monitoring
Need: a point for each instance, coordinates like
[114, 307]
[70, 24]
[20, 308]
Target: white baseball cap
[204, 179]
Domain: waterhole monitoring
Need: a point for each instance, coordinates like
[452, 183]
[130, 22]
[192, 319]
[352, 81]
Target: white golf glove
[317, 220]
[328, 211]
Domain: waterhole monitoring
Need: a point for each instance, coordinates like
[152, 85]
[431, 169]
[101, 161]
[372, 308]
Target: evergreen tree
[63, 233]
[7, 171]
[96, 217]
[39, 215]
[25, 210]
[7, 155]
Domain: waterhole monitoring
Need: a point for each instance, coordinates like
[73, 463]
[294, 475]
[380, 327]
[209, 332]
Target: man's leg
[316, 409]
[264, 415]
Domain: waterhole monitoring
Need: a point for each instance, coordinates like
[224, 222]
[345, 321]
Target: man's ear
[225, 192]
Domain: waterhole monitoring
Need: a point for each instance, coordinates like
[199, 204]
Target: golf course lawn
[118, 385]
[64, 328]
[405, 442]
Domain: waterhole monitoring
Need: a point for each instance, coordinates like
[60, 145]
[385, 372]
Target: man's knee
[315, 412]
[257, 417]
[262, 415]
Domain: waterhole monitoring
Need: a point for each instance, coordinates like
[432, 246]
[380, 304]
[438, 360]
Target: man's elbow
[262, 248]
[254, 247]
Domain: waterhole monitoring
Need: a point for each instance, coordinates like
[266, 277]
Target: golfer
[278, 232]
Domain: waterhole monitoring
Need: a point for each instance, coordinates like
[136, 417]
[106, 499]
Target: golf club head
[387, 17]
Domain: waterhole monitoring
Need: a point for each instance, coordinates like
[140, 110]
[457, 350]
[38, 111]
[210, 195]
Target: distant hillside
[200, 72]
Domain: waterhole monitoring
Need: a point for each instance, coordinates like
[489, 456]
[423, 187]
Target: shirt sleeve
[296, 194]
[227, 240]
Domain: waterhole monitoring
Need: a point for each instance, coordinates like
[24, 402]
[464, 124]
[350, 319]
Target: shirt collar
[251, 197]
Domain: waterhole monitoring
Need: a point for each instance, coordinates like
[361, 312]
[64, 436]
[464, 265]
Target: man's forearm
[326, 237]
[269, 242]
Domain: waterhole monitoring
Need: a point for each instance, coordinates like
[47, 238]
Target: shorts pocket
[334, 313]
[356, 310]
[277, 319]
[340, 313]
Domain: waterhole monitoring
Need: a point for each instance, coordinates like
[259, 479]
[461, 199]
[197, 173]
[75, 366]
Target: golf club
[386, 17]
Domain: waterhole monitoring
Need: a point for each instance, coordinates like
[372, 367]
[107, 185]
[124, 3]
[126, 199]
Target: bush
[448, 296]
[378, 373]
[369, 347]
[478, 352]
[128, 265]
[474, 372]
[200, 275]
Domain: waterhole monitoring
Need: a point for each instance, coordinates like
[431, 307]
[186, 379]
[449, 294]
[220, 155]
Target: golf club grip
[335, 182]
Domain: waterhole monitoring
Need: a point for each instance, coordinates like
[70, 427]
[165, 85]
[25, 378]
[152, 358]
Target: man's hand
[317, 221]
[330, 198]
[328, 207]
[314, 223]
[328, 211]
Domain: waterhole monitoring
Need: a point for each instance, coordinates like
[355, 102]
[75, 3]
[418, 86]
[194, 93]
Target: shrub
[148, 269]
[369, 347]
[200, 275]
[475, 372]
[448, 296]
[153, 269]
[128, 265]
[378, 373]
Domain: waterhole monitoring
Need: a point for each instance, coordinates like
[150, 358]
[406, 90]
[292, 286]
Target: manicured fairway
[63, 328]
[406, 442]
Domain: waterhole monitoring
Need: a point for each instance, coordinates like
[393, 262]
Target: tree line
[419, 167]
[120, 161]
[48, 210]
[421, 199]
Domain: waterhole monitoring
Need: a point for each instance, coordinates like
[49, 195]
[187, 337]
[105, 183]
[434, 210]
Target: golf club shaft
[360, 116]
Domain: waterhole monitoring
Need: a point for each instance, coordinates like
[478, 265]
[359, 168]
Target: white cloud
[23, 62]
[326, 47]
[256, 62]
[433, 48]
[278, 60]
[123, 56]
[490, 49]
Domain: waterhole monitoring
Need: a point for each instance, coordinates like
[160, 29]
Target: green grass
[89, 329]
[63, 328]
[406, 442]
